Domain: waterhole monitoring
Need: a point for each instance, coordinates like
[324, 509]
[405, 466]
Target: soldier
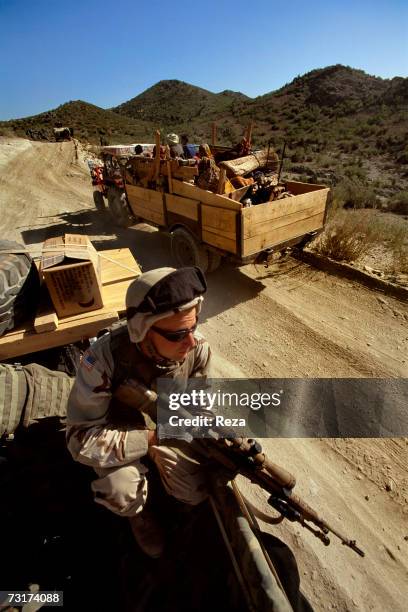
[159, 340]
[176, 150]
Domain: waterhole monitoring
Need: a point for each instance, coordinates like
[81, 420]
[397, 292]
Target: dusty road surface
[288, 321]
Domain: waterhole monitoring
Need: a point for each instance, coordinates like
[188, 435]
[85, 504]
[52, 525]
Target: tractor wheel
[19, 285]
[119, 209]
[214, 261]
[98, 200]
[187, 251]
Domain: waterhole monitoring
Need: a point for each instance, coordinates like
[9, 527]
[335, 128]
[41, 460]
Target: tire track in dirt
[287, 345]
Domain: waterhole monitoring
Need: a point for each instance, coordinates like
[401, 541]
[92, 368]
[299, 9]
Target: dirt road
[287, 321]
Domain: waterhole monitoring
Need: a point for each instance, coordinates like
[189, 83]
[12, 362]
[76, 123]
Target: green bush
[399, 203]
[353, 194]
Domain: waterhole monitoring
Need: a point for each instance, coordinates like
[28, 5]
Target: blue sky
[108, 51]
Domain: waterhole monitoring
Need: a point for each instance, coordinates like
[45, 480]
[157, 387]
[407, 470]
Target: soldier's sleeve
[91, 438]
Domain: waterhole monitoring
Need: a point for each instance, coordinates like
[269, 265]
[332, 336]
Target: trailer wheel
[19, 285]
[119, 209]
[98, 200]
[187, 251]
[214, 261]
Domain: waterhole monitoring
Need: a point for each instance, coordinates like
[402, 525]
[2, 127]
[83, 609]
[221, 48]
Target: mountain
[177, 103]
[89, 122]
[342, 121]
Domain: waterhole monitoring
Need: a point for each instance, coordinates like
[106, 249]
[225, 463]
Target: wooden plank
[123, 266]
[297, 188]
[262, 213]
[147, 203]
[249, 133]
[22, 342]
[281, 234]
[182, 206]
[221, 181]
[251, 229]
[148, 195]
[157, 158]
[219, 221]
[46, 320]
[184, 173]
[206, 197]
[221, 242]
[168, 168]
[141, 209]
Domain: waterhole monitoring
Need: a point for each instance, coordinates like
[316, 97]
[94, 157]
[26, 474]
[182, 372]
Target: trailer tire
[187, 251]
[98, 200]
[19, 285]
[119, 209]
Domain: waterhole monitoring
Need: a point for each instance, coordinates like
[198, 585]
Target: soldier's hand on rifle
[152, 438]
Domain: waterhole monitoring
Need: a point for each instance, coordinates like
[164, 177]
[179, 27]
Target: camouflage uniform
[30, 393]
[105, 435]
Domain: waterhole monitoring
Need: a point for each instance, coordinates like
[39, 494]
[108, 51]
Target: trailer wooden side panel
[182, 206]
[219, 227]
[296, 187]
[206, 197]
[147, 203]
[267, 225]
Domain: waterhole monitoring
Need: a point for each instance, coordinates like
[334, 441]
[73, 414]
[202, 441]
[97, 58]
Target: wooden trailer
[206, 226]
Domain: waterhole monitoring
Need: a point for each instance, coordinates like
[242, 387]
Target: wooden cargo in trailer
[224, 226]
[228, 203]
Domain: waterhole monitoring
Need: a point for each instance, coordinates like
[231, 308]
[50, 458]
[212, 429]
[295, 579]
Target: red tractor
[106, 179]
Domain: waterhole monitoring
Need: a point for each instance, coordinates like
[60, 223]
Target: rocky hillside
[90, 123]
[175, 102]
[340, 124]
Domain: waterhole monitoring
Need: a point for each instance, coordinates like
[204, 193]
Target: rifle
[245, 456]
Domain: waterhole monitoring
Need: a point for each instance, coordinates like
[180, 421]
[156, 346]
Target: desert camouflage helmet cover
[158, 294]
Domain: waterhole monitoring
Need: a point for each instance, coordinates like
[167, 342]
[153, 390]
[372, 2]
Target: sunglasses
[174, 336]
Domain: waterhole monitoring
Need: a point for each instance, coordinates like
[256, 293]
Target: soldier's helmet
[159, 293]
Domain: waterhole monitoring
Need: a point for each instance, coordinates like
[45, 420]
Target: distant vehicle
[63, 133]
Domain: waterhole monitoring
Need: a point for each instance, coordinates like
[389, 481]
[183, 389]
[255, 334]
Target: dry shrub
[400, 260]
[348, 236]
[399, 246]
[351, 234]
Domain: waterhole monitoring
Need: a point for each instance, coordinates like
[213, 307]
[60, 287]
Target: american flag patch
[88, 361]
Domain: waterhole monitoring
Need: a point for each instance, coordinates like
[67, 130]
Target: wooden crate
[118, 270]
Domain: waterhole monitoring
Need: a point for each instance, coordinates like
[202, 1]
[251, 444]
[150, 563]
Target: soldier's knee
[123, 491]
[182, 477]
